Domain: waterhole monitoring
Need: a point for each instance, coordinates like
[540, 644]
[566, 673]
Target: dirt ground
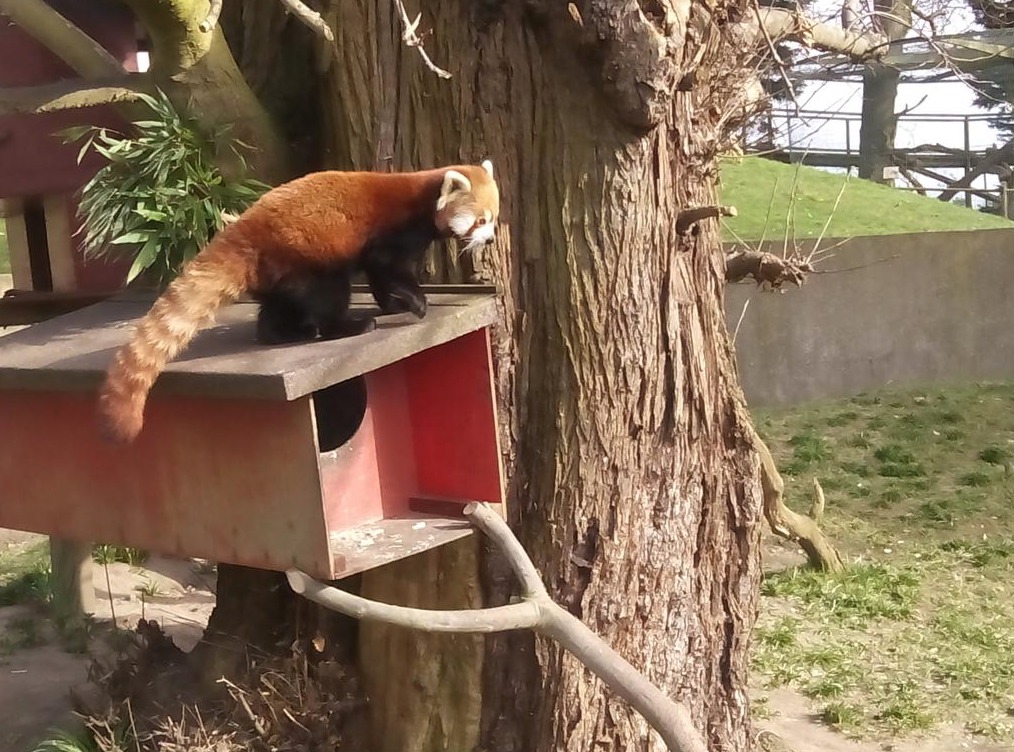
[35, 683]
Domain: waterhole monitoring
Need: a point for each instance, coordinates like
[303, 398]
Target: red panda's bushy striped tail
[219, 274]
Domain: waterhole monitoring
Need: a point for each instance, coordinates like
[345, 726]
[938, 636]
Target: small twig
[109, 592]
[856, 268]
[790, 214]
[133, 726]
[411, 39]
[689, 217]
[310, 17]
[783, 521]
[536, 611]
[830, 216]
[742, 315]
[777, 58]
[293, 719]
[240, 697]
[909, 109]
[211, 20]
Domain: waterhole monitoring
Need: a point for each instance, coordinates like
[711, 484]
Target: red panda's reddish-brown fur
[322, 220]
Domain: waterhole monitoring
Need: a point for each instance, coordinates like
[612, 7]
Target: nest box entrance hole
[338, 412]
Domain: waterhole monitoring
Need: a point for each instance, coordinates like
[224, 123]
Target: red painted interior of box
[429, 430]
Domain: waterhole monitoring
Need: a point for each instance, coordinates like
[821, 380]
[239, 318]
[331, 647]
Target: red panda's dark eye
[480, 221]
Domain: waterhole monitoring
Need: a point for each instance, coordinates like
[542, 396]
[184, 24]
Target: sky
[952, 98]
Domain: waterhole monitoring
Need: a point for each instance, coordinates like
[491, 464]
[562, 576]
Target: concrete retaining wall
[941, 311]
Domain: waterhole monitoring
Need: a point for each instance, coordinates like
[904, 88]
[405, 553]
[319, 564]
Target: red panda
[295, 250]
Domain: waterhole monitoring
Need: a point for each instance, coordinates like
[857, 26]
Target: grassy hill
[917, 635]
[762, 190]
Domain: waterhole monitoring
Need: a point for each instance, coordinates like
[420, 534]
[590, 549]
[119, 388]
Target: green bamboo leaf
[145, 258]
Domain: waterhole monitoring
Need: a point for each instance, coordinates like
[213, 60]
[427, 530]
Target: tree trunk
[198, 73]
[880, 90]
[631, 481]
[879, 124]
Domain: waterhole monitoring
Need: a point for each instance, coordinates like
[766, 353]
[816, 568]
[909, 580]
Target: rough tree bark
[632, 480]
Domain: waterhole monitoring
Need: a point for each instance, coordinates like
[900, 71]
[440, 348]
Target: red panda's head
[469, 204]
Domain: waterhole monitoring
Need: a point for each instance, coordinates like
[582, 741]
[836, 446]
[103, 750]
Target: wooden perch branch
[765, 268]
[310, 17]
[689, 217]
[72, 94]
[211, 20]
[411, 39]
[536, 611]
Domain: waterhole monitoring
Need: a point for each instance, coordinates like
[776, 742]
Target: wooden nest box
[332, 457]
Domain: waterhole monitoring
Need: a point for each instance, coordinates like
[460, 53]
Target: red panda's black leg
[328, 303]
[396, 290]
[282, 320]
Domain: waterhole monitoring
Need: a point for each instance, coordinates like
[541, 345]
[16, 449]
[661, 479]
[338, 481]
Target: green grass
[24, 574]
[865, 208]
[107, 554]
[919, 631]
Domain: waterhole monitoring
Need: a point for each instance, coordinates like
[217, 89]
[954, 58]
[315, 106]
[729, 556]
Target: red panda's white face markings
[468, 208]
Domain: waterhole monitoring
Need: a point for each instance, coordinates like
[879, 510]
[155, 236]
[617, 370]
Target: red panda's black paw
[348, 328]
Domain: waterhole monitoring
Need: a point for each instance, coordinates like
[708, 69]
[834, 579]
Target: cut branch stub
[536, 611]
[689, 217]
[765, 268]
[211, 20]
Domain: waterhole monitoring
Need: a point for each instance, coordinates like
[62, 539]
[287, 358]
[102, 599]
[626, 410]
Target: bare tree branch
[787, 25]
[536, 611]
[409, 37]
[986, 164]
[72, 94]
[310, 17]
[775, 56]
[850, 12]
[83, 54]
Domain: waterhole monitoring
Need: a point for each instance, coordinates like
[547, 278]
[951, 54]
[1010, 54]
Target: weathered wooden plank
[377, 543]
[72, 352]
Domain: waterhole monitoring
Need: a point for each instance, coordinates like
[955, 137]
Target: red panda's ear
[454, 182]
[487, 166]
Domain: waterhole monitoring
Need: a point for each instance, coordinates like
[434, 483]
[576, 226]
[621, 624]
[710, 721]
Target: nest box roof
[71, 352]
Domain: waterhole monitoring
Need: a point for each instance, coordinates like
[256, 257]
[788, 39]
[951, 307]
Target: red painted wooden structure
[36, 165]
[333, 457]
